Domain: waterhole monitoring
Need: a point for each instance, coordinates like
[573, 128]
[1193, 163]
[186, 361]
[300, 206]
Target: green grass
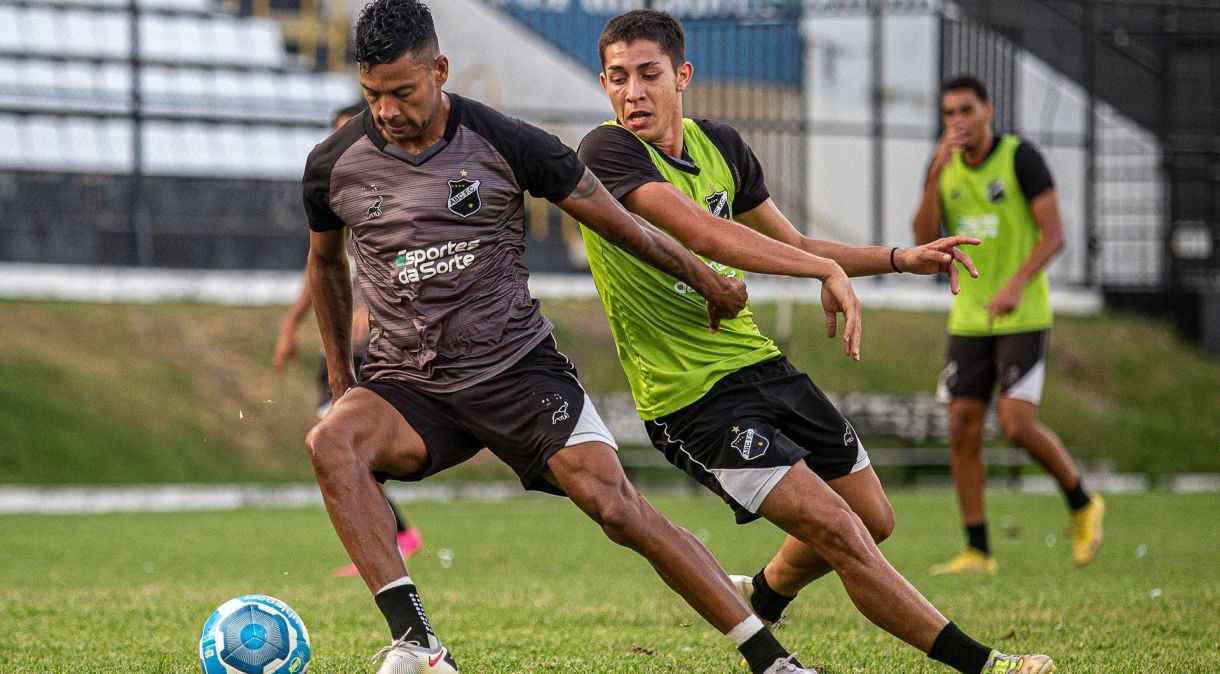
[113, 394]
[534, 588]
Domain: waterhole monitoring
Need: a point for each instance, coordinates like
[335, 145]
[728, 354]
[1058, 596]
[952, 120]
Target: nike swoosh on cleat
[432, 661]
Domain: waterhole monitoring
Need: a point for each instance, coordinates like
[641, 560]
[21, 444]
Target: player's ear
[686, 71]
[440, 69]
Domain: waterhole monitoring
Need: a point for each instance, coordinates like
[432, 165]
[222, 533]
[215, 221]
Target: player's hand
[839, 298]
[937, 257]
[950, 142]
[285, 349]
[1003, 303]
[726, 297]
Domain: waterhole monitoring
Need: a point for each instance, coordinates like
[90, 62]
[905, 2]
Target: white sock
[405, 580]
[744, 630]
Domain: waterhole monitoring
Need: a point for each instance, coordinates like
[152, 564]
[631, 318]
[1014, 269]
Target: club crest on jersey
[995, 191]
[464, 197]
[750, 444]
[718, 204]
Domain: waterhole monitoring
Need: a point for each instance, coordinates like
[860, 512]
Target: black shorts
[741, 437]
[974, 365]
[524, 415]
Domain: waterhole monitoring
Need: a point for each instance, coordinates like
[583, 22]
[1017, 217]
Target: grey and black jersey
[438, 239]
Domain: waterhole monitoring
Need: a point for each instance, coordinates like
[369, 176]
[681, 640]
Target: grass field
[534, 588]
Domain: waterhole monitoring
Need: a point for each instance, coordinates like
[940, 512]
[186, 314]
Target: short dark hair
[387, 29]
[645, 24]
[348, 111]
[963, 82]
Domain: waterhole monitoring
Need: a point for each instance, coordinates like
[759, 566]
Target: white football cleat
[786, 666]
[408, 657]
[745, 587]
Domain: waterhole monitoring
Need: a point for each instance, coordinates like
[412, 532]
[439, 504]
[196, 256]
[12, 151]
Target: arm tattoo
[586, 188]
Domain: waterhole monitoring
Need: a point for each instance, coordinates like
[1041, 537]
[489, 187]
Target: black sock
[1077, 497]
[767, 603]
[959, 651]
[762, 650]
[976, 537]
[403, 611]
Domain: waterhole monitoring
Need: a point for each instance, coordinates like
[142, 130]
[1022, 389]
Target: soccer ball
[254, 634]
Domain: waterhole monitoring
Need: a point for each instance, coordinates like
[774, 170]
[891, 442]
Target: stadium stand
[215, 93]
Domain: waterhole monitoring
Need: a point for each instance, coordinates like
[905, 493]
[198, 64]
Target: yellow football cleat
[1086, 530]
[999, 663]
[969, 560]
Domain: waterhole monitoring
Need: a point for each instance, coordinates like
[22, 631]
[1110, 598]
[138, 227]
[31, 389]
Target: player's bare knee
[838, 539]
[880, 524]
[623, 514]
[329, 450]
[1016, 430]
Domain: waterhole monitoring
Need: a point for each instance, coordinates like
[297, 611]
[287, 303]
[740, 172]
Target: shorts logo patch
[948, 376]
[849, 435]
[559, 414]
[1012, 375]
[749, 443]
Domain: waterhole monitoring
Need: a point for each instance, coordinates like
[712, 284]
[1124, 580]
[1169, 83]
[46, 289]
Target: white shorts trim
[749, 486]
[1029, 387]
[590, 427]
[862, 460]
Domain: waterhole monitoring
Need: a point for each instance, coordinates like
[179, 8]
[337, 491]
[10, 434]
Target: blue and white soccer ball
[254, 634]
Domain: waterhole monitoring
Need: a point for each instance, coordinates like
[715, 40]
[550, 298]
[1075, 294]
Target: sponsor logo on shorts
[560, 413]
[749, 443]
[1012, 375]
[849, 435]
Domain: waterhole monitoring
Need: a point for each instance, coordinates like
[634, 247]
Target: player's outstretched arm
[931, 258]
[592, 205]
[331, 289]
[722, 240]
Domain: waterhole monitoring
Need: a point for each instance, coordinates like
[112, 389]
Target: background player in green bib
[998, 190]
[728, 408]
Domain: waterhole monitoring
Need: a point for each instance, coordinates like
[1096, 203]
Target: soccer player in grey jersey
[431, 187]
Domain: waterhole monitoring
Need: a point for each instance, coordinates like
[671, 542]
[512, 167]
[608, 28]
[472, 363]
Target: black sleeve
[541, 163]
[1032, 173]
[618, 159]
[318, 168]
[751, 187]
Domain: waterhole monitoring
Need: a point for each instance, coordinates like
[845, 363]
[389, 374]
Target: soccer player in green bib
[727, 407]
[997, 189]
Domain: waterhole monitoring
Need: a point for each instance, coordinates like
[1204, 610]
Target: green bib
[986, 202]
[659, 323]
